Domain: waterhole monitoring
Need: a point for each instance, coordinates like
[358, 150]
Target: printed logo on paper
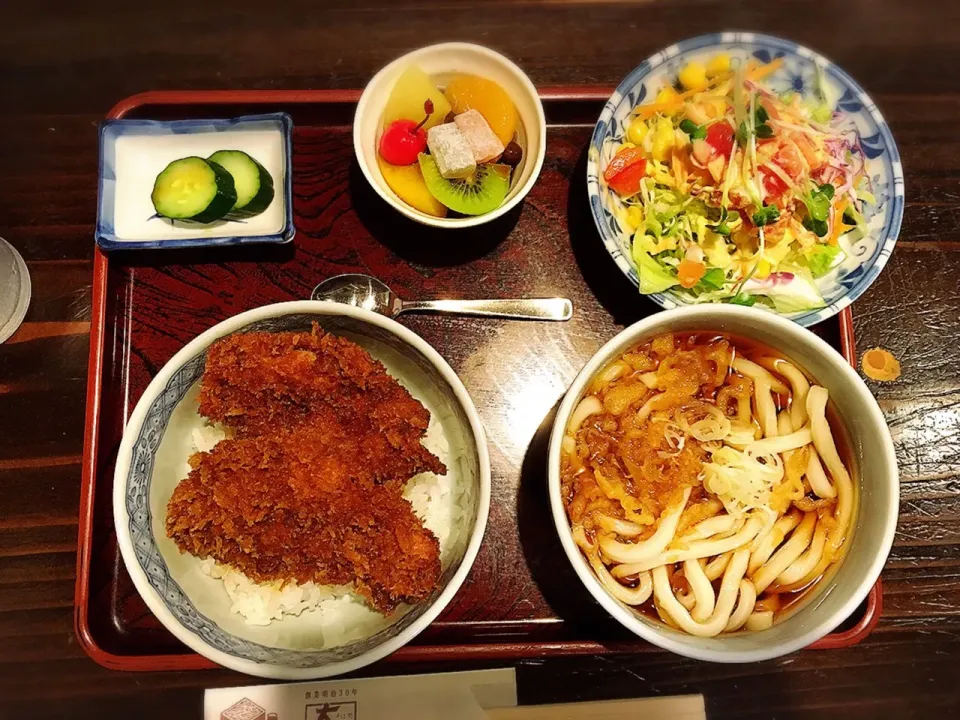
[247, 709]
[331, 711]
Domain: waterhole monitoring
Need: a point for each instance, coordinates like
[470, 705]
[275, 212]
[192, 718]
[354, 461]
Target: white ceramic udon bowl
[442, 62]
[838, 595]
[194, 606]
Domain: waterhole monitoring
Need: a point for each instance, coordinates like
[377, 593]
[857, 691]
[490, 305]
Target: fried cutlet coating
[309, 489]
[290, 506]
[258, 382]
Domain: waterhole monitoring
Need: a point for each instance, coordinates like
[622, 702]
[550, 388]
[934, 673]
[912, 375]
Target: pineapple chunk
[411, 90]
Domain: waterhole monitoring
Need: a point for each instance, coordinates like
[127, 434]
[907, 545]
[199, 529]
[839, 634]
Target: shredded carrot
[838, 224]
[689, 272]
[645, 111]
[764, 70]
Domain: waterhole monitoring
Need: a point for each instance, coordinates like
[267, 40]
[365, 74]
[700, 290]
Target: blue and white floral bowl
[195, 607]
[850, 279]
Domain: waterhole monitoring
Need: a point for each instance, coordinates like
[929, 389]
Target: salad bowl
[786, 287]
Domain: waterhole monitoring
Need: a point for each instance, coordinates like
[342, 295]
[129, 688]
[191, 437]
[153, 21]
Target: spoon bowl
[362, 291]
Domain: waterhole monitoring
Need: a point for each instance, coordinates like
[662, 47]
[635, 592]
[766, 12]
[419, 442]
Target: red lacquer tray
[521, 599]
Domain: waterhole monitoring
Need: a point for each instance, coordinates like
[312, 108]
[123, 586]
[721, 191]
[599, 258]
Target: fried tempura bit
[880, 365]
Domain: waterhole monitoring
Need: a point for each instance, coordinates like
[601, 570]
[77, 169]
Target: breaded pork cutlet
[310, 488]
[293, 506]
[259, 382]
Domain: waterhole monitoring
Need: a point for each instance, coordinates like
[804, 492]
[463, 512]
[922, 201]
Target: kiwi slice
[480, 193]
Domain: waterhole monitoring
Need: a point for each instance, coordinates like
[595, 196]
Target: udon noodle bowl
[705, 483]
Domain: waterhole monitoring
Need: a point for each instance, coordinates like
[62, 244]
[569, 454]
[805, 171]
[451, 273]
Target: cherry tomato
[622, 160]
[789, 159]
[720, 138]
[626, 170]
[627, 181]
[773, 186]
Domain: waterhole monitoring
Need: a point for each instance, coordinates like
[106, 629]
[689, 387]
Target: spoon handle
[521, 309]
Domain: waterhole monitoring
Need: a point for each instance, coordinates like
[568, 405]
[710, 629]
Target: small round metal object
[15, 290]
[369, 293]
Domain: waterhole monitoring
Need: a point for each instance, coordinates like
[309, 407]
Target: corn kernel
[637, 131]
[663, 138]
[634, 217]
[763, 270]
[719, 64]
[693, 76]
[668, 94]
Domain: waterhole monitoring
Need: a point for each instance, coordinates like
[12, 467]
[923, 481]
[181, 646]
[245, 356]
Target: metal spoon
[369, 293]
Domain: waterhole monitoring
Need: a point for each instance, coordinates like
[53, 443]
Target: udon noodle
[703, 482]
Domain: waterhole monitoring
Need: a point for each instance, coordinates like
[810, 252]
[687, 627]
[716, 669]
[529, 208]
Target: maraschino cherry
[404, 140]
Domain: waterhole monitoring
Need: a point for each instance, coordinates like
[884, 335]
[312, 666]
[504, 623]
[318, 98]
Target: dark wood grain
[65, 64]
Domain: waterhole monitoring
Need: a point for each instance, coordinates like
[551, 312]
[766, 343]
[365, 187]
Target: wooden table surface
[65, 64]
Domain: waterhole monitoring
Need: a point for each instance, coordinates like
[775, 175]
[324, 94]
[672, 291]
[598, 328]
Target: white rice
[436, 500]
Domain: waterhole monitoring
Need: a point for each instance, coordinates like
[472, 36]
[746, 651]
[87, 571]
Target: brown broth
[754, 350]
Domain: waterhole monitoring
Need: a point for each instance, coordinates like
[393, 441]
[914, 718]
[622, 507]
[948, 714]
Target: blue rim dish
[110, 130]
[152, 562]
[843, 285]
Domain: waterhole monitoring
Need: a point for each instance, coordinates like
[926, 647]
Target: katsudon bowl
[335, 631]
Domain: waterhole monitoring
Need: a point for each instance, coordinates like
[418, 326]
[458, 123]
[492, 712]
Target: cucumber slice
[193, 189]
[254, 184]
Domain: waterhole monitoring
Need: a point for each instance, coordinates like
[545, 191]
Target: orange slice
[470, 92]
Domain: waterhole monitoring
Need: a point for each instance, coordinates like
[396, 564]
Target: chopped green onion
[761, 114]
[766, 215]
[713, 279]
[764, 131]
[743, 298]
[696, 132]
[818, 207]
[818, 227]
[721, 228]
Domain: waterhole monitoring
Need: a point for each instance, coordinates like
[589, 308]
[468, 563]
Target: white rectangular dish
[134, 152]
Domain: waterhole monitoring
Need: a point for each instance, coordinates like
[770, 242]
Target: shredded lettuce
[654, 277]
[820, 259]
[821, 113]
[797, 294]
